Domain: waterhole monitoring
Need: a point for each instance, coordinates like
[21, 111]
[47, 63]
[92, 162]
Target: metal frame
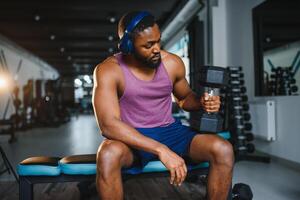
[27, 182]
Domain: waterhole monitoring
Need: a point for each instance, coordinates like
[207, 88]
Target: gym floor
[81, 136]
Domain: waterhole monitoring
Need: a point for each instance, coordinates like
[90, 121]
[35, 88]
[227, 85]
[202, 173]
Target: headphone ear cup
[125, 44]
[129, 46]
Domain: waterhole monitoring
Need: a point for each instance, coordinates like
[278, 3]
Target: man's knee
[110, 154]
[222, 152]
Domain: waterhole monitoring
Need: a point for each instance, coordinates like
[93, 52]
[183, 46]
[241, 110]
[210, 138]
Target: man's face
[147, 47]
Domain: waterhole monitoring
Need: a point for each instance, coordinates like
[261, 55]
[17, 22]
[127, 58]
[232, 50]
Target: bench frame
[27, 182]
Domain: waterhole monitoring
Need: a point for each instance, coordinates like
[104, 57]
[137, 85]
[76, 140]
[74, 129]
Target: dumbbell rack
[238, 117]
[282, 81]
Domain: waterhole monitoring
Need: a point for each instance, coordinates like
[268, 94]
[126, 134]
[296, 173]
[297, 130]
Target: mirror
[276, 34]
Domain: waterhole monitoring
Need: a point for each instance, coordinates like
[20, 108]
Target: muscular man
[132, 103]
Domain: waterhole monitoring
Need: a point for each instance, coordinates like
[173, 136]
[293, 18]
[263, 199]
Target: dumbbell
[241, 191]
[212, 78]
[237, 82]
[245, 116]
[240, 98]
[245, 126]
[248, 137]
[242, 146]
[244, 107]
[294, 88]
[239, 89]
[236, 75]
[234, 68]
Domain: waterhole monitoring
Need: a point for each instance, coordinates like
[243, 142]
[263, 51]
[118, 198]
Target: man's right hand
[175, 164]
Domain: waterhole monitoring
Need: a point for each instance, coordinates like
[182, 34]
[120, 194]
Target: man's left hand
[210, 103]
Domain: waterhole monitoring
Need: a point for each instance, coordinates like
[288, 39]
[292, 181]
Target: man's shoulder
[171, 59]
[108, 67]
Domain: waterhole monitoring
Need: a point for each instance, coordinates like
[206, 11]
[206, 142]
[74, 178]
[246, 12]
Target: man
[132, 103]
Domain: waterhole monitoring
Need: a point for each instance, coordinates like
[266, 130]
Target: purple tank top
[146, 104]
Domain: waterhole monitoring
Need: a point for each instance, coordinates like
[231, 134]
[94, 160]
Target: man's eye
[148, 46]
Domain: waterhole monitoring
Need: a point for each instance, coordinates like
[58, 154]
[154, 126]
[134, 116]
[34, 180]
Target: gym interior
[49, 50]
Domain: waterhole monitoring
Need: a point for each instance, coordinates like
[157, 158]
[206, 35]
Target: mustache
[156, 56]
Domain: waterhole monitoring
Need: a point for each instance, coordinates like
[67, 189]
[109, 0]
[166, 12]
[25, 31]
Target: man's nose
[156, 48]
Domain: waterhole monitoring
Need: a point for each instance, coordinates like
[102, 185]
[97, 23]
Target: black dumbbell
[236, 75]
[237, 82]
[212, 78]
[294, 88]
[240, 98]
[248, 126]
[235, 68]
[244, 107]
[249, 148]
[239, 89]
[241, 191]
[245, 116]
[245, 126]
[248, 137]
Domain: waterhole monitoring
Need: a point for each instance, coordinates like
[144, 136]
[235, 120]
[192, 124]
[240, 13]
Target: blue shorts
[176, 137]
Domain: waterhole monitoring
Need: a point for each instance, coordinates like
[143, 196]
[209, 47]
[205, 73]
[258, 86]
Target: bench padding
[39, 166]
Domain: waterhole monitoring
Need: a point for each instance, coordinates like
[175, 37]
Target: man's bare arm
[186, 98]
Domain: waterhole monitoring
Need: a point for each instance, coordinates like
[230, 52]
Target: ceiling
[73, 36]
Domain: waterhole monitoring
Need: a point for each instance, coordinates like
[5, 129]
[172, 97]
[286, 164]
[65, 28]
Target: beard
[148, 62]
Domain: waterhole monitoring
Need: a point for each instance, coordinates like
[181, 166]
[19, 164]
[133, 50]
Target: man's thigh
[202, 147]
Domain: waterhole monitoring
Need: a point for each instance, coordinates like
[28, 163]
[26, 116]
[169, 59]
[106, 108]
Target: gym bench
[82, 168]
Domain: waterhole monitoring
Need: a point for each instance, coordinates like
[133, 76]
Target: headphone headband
[135, 21]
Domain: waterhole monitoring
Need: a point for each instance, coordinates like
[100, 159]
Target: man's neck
[136, 65]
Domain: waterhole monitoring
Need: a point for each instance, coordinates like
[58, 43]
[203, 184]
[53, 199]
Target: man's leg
[111, 157]
[219, 153]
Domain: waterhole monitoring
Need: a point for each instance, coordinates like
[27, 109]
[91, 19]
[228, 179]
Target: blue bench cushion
[39, 166]
[78, 164]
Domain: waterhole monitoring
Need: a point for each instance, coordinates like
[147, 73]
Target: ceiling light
[69, 58]
[112, 19]
[78, 82]
[87, 79]
[37, 18]
[62, 49]
[268, 39]
[86, 66]
[52, 37]
[3, 82]
[110, 37]
[110, 50]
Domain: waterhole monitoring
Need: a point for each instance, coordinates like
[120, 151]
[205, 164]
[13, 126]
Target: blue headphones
[125, 44]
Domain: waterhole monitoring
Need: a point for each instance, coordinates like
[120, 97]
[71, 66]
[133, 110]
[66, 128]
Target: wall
[233, 45]
[31, 68]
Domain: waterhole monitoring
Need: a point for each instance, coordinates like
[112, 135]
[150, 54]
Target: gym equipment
[125, 44]
[82, 168]
[8, 166]
[212, 78]
[238, 116]
[282, 80]
[242, 191]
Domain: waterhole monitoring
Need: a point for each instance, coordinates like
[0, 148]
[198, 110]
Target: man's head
[144, 37]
